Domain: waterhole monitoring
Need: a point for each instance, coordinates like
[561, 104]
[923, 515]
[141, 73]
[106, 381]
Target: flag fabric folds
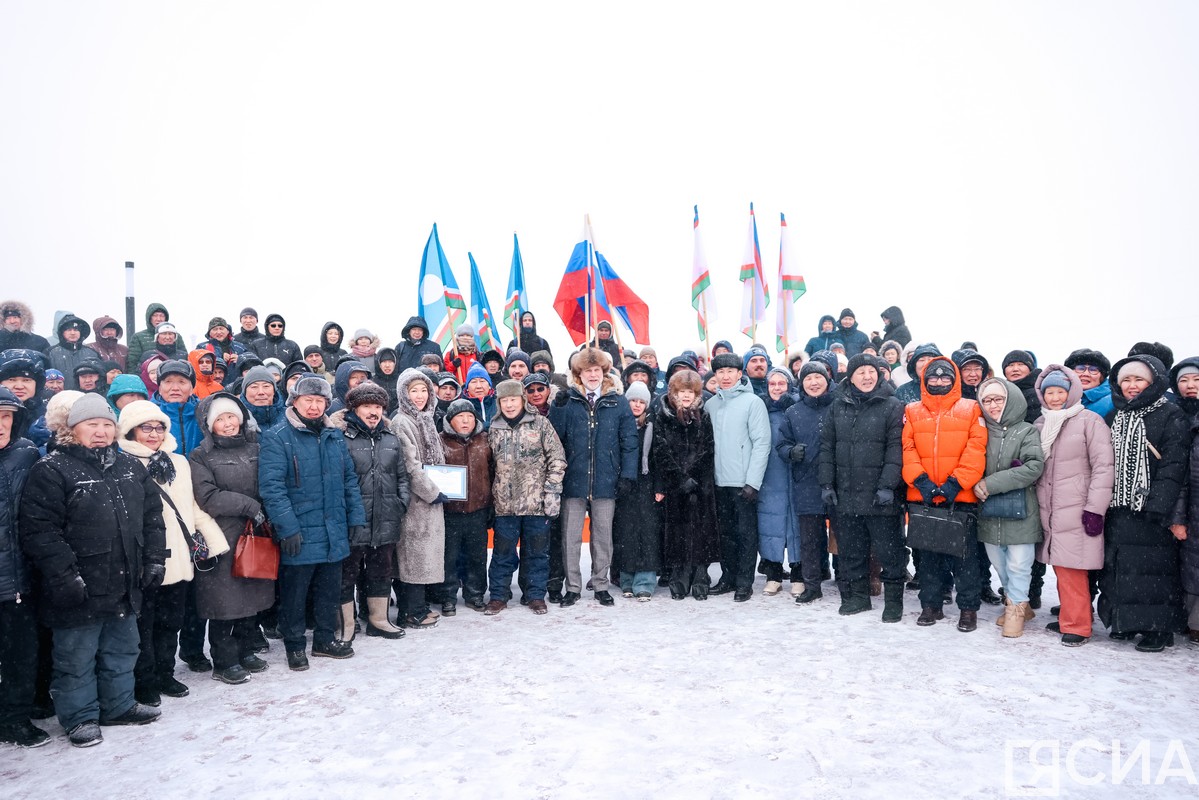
[790, 287]
[589, 280]
[516, 301]
[703, 299]
[487, 335]
[438, 299]
[755, 294]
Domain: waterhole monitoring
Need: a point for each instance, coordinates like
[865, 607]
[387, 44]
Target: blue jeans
[294, 581]
[1013, 562]
[93, 670]
[533, 533]
[638, 582]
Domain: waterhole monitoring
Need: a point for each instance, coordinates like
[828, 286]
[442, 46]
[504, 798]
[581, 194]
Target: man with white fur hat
[96, 551]
[311, 494]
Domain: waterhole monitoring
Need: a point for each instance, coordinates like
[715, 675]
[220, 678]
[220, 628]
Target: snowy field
[665, 699]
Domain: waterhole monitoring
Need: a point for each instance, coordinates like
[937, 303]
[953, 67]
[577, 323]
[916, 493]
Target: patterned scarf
[360, 351]
[1132, 457]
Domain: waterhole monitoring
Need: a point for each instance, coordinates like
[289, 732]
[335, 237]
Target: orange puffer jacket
[205, 384]
[944, 436]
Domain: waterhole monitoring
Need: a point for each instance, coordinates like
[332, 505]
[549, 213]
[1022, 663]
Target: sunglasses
[536, 388]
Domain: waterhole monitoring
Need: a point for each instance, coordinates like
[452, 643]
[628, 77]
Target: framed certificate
[450, 480]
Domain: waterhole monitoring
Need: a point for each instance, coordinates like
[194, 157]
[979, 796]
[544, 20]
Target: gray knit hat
[90, 406]
[637, 391]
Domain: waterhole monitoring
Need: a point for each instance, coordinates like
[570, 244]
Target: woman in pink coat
[1074, 493]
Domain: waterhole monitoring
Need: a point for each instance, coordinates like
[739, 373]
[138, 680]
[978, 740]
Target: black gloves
[949, 490]
[457, 362]
[68, 593]
[291, 545]
[689, 486]
[624, 486]
[797, 452]
[749, 494]
[828, 496]
[926, 487]
[152, 575]
[441, 498]
[884, 497]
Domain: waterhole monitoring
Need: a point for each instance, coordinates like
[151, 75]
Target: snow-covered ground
[668, 699]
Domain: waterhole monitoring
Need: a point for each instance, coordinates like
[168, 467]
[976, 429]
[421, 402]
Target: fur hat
[310, 385]
[637, 391]
[1056, 378]
[509, 388]
[589, 357]
[1090, 357]
[1156, 349]
[59, 407]
[367, 393]
[725, 361]
[686, 379]
[93, 406]
[88, 367]
[176, 367]
[137, 413]
[223, 405]
[542, 357]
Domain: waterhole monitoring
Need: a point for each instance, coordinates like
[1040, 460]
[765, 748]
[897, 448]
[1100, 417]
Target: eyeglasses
[993, 401]
[155, 429]
[1087, 368]
[532, 389]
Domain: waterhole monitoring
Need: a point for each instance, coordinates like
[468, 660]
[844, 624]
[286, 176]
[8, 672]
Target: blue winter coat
[1099, 399]
[15, 461]
[600, 443]
[822, 340]
[309, 486]
[801, 425]
[777, 525]
[183, 423]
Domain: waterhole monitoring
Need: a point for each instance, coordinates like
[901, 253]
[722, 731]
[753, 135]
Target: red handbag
[257, 554]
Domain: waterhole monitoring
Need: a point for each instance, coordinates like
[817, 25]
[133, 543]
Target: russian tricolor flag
[589, 278]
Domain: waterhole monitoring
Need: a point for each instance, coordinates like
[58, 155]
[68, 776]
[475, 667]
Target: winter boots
[346, 633]
[892, 602]
[1014, 617]
[773, 570]
[967, 621]
[797, 585]
[929, 615]
[377, 622]
[857, 599]
[809, 594]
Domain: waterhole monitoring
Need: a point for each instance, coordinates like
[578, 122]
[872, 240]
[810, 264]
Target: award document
[449, 479]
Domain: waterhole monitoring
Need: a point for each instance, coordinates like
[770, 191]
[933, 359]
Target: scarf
[363, 352]
[1054, 420]
[427, 440]
[647, 439]
[1132, 457]
[161, 468]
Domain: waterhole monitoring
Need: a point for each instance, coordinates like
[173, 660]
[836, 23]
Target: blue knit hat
[1056, 378]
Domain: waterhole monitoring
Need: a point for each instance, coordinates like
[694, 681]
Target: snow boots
[857, 599]
[346, 634]
[377, 622]
[1014, 617]
[892, 602]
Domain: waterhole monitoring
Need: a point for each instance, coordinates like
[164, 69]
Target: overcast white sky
[1020, 173]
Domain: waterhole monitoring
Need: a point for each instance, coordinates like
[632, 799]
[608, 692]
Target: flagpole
[754, 309]
[703, 304]
[786, 330]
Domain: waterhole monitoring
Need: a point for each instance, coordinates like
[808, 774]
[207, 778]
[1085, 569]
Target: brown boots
[1014, 617]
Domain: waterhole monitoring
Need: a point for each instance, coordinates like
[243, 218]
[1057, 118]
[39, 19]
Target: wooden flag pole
[703, 305]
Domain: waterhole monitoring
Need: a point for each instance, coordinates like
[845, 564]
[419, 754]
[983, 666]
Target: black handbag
[1006, 505]
[942, 529]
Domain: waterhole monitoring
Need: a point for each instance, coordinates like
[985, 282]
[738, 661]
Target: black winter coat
[330, 353]
[1190, 547]
[280, 347]
[895, 330]
[225, 484]
[1140, 587]
[378, 458]
[1028, 387]
[409, 351]
[681, 451]
[636, 525]
[15, 462]
[104, 524]
[861, 449]
[802, 424]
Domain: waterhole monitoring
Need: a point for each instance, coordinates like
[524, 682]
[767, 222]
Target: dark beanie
[726, 361]
[250, 311]
[215, 321]
[310, 349]
[814, 368]
[847, 312]
[1021, 356]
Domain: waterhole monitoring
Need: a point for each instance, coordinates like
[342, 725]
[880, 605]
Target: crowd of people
[133, 476]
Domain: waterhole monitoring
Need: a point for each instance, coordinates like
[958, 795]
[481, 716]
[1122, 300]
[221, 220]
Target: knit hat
[311, 349]
[637, 391]
[1090, 357]
[250, 311]
[367, 393]
[254, 375]
[938, 369]
[310, 385]
[1021, 356]
[1056, 378]
[465, 329]
[217, 322]
[836, 346]
[137, 413]
[54, 375]
[847, 312]
[462, 406]
[726, 361]
[647, 351]
[362, 333]
[11, 311]
[1186, 369]
[994, 387]
[784, 372]
[1134, 367]
[222, 405]
[92, 406]
[176, 367]
[518, 355]
[538, 378]
[509, 388]
[542, 357]
[813, 368]
[165, 327]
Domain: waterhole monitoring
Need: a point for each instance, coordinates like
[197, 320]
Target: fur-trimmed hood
[26, 314]
[249, 426]
[404, 403]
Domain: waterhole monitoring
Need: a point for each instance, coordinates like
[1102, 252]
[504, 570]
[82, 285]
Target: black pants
[411, 598]
[231, 640]
[737, 521]
[984, 566]
[465, 556]
[191, 633]
[158, 626]
[1038, 580]
[18, 660]
[813, 547]
[858, 537]
[378, 566]
[557, 567]
[690, 580]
